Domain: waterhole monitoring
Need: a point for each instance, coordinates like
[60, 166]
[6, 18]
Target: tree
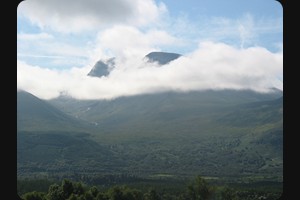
[73, 197]
[199, 189]
[115, 193]
[94, 191]
[55, 193]
[102, 196]
[67, 188]
[151, 195]
[228, 194]
[34, 196]
[78, 188]
[131, 194]
[88, 196]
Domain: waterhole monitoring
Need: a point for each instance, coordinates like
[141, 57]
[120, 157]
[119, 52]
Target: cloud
[78, 15]
[38, 36]
[211, 66]
[124, 41]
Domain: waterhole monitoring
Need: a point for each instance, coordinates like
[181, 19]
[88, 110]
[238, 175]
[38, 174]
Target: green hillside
[34, 114]
[218, 134]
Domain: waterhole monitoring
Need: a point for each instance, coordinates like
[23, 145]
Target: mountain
[189, 133]
[225, 133]
[102, 68]
[55, 140]
[162, 57]
[34, 114]
[159, 107]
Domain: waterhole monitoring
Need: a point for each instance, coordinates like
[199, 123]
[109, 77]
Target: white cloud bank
[127, 41]
[211, 66]
[80, 15]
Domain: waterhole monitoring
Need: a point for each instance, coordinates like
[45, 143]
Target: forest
[198, 188]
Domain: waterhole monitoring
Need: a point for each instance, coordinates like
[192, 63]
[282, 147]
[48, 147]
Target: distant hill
[156, 107]
[34, 114]
[55, 140]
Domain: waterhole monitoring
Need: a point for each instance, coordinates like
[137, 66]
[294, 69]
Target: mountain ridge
[34, 113]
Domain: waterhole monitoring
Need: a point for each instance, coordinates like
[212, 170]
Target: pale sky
[228, 44]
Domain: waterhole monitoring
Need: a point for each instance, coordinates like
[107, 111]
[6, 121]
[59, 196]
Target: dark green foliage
[131, 194]
[123, 193]
[94, 191]
[59, 151]
[102, 196]
[228, 193]
[67, 188]
[55, 192]
[73, 197]
[78, 188]
[88, 196]
[151, 195]
[34, 196]
[115, 193]
[29, 185]
[199, 189]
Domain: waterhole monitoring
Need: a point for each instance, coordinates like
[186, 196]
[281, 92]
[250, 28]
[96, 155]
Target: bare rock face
[162, 57]
[102, 68]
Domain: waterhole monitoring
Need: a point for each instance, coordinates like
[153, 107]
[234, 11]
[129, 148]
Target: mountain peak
[102, 68]
[162, 57]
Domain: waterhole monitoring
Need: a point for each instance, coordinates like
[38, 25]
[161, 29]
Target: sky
[228, 44]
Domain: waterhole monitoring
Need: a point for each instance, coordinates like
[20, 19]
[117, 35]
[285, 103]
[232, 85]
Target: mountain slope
[36, 114]
[223, 133]
[166, 107]
[54, 140]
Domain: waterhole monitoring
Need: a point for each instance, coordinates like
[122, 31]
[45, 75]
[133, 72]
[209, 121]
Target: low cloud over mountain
[211, 66]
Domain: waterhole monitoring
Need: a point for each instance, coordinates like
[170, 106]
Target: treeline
[198, 189]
